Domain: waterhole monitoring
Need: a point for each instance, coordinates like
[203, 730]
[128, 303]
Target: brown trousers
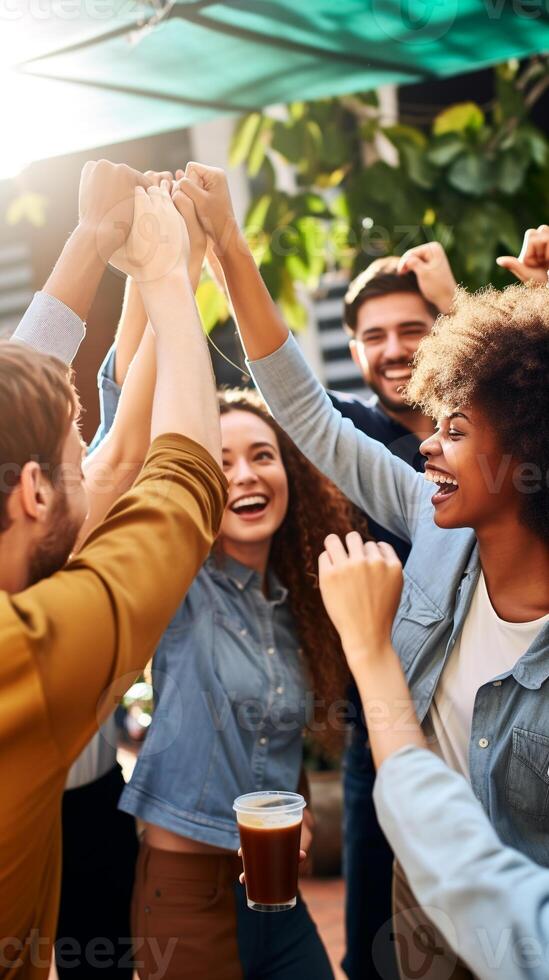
[184, 916]
[422, 951]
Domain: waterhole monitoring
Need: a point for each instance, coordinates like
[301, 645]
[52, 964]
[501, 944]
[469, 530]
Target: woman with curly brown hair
[248, 656]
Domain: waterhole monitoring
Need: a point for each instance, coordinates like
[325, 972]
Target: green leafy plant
[473, 179]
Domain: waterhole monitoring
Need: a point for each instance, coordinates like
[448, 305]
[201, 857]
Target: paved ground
[324, 896]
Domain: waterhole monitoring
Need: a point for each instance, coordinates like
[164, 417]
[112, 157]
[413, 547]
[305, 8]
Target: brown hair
[315, 508]
[493, 351]
[379, 279]
[37, 406]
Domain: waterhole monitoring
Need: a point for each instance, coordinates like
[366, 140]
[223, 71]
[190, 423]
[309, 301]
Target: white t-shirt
[487, 647]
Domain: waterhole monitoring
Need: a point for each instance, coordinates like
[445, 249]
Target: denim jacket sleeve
[389, 490]
[492, 902]
[109, 396]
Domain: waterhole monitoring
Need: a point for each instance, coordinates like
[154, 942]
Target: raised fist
[106, 201]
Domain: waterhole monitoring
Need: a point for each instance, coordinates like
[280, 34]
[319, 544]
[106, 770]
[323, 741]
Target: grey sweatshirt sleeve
[51, 328]
[389, 490]
[490, 902]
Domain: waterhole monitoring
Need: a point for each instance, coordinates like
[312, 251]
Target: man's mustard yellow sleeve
[100, 619]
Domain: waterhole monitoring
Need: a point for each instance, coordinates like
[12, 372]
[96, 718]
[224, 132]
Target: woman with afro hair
[472, 627]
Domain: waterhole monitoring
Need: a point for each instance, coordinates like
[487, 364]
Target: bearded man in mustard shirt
[74, 632]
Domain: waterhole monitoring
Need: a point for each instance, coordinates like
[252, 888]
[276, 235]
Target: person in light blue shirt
[489, 902]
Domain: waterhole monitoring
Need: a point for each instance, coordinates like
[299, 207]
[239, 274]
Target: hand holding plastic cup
[270, 833]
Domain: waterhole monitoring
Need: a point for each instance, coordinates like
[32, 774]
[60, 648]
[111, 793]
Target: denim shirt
[231, 696]
[509, 747]
[230, 707]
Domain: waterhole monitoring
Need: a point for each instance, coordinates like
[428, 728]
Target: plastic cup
[270, 833]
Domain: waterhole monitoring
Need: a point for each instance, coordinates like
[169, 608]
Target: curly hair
[315, 508]
[492, 351]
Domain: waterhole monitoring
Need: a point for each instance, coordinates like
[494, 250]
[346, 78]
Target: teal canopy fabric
[99, 71]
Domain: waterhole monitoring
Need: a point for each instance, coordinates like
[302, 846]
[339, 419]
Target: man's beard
[391, 404]
[53, 550]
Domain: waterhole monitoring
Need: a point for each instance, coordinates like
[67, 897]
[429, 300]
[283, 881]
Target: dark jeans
[99, 855]
[368, 869]
[279, 945]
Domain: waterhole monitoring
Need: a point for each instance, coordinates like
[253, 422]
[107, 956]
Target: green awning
[90, 74]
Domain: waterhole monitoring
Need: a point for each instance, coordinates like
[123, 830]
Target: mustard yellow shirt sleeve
[92, 626]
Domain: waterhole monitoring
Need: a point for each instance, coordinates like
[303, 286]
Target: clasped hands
[153, 224]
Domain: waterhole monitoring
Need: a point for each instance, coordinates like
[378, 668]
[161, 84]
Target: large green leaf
[243, 138]
[400, 134]
[336, 147]
[459, 119]
[504, 227]
[411, 144]
[257, 212]
[420, 170]
[293, 311]
[288, 139]
[470, 174]
[444, 149]
[510, 171]
[308, 259]
[309, 203]
[212, 304]
[536, 142]
[259, 146]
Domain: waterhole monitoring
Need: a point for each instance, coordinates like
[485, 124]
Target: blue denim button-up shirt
[231, 696]
[509, 747]
[231, 704]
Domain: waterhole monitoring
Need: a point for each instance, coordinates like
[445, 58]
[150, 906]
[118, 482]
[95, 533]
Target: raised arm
[134, 317]
[182, 401]
[450, 853]
[433, 272]
[532, 262]
[361, 586]
[113, 466]
[99, 620]
[53, 323]
[388, 489]
[131, 328]
[105, 206]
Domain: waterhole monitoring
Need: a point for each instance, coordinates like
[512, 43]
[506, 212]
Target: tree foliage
[473, 179]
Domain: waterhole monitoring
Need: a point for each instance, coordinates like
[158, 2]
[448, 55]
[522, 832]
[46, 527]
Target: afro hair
[492, 351]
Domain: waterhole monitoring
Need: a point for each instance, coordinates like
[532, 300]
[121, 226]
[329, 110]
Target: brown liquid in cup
[271, 858]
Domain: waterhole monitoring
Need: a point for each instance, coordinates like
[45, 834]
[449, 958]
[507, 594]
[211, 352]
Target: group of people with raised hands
[252, 544]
